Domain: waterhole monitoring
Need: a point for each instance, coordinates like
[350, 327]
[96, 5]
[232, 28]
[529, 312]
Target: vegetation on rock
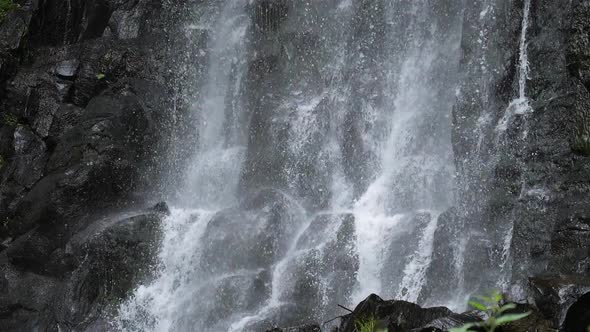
[9, 119]
[368, 325]
[5, 7]
[498, 314]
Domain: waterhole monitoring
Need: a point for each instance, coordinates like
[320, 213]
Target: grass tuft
[368, 325]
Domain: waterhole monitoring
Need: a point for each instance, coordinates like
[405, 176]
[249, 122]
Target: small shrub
[368, 325]
[498, 315]
[6, 6]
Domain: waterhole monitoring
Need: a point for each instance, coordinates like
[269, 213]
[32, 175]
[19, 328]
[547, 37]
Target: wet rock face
[259, 233]
[85, 114]
[526, 188]
[556, 296]
[81, 282]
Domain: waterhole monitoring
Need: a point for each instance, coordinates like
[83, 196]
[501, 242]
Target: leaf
[101, 76]
[478, 306]
[464, 328]
[510, 318]
[497, 297]
[485, 299]
[506, 307]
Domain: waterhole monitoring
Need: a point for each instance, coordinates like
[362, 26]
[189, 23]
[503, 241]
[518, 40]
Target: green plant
[368, 325]
[101, 76]
[9, 119]
[581, 141]
[498, 314]
[5, 7]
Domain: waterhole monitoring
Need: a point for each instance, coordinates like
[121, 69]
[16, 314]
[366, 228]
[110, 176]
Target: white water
[415, 271]
[167, 303]
[214, 172]
[409, 180]
[520, 105]
[166, 299]
[403, 124]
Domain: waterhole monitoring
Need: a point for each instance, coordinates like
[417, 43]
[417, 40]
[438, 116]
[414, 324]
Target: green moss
[6, 6]
[9, 119]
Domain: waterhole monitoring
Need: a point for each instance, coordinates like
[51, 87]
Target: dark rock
[161, 208]
[448, 322]
[100, 161]
[90, 275]
[526, 184]
[535, 321]
[578, 315]
[13, 29]
[554, 296]
[75, 147]
[304, 328]
[394, 315]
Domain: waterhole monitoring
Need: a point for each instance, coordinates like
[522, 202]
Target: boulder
[393, 315]
[554, 296]
[448, 322]
[535, 321]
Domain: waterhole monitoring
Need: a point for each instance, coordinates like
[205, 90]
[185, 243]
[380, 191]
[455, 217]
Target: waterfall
[523, 60]
[519, 105]
[211, 180]
[323, 161]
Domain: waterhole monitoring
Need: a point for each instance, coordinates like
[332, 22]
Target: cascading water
[212, 178]
[324, 160]
[520, 105]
